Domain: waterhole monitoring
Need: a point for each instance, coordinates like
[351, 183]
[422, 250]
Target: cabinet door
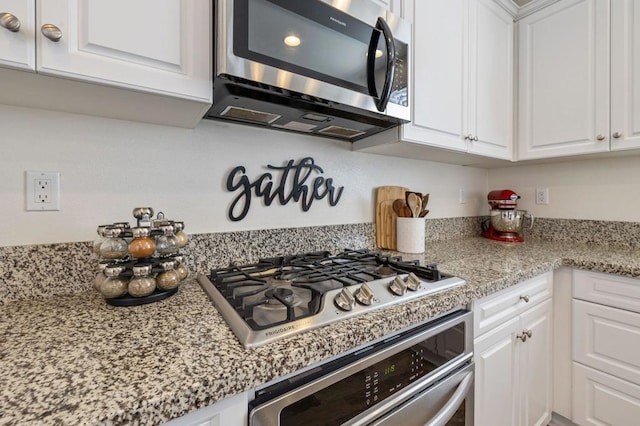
[600, 399]
[18, 48]
[564, 80]
[158, 47]
[491, 100]
[607, 339]
[497, 371]
[536, 366]
[625, 74]
[439, 72]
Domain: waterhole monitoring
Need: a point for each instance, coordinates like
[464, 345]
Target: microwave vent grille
[251, 115]
[342, 132]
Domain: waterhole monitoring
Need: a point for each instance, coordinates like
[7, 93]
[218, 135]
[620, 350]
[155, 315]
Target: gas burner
[278, 296]
[284, 295]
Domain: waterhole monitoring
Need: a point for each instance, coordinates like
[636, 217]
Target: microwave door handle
[446, 413]
[383, 98]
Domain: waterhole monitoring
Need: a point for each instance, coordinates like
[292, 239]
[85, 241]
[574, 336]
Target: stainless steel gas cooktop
[282, 296]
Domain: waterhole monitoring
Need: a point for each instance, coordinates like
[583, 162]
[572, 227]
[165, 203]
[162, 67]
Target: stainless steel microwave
[324, 67]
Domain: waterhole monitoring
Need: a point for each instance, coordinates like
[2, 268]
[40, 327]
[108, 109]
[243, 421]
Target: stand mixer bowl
[509, 220]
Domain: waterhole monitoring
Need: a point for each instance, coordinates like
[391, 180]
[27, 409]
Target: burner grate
[282, 289]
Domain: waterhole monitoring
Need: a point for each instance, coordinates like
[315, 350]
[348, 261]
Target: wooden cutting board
[385, 216]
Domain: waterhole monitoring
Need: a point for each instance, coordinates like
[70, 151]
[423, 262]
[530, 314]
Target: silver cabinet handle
[525, 298]
[600, 137]
[469, 137]
[524, 335]
[9, 22]
[51, 32]
[617, 135]
[475, 138]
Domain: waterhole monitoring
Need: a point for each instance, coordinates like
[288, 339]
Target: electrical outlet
[462, 196]
[42, 191]
[542, 195]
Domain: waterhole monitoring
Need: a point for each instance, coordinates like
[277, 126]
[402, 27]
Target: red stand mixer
[505, 221]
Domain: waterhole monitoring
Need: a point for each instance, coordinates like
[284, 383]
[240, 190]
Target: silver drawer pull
[617, 135]
[10, 22]
[51, 32]
[525, 298]
[524, 335]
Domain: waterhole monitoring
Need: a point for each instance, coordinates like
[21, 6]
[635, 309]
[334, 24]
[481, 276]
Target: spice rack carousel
[141, 264]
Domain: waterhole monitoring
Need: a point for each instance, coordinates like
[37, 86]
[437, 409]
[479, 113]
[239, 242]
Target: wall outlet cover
[42, 191]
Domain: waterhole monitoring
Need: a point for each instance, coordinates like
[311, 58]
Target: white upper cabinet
[158, 47]
[17, 34]
[625, 74]
[490, 111]
[145, 60]
[440, 62]
[563, 96]
[463, 76]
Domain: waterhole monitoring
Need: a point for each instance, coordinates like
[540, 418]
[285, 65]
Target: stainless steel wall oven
[422, 375]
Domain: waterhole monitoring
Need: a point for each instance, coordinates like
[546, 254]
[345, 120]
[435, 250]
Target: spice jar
[141, 245]
[100, 276]
[180, 235]
[180, 268]
[113, 247]
[114, 285]
[101, 239]
[167, 243]
[169, 278]
[141, 284]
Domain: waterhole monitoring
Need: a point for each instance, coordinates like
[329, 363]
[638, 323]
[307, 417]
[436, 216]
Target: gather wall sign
[293, 182]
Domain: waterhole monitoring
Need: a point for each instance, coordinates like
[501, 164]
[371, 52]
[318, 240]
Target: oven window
[357, 393]
[309, 38]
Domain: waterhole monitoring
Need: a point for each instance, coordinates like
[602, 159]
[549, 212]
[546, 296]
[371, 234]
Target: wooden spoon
[414, 203]
[399, 206]
[425, 201]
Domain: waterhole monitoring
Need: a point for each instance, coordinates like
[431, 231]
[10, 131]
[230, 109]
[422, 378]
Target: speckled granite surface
[75, 360]
[33, 271]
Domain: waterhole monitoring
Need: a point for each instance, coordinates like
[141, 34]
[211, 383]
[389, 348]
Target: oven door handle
[382, 98]
[446, 413]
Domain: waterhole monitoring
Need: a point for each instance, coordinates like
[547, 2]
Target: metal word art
[292, 185]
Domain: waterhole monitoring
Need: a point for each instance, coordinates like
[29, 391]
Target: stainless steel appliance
[282, 296]
[321, 67]
[421, 376]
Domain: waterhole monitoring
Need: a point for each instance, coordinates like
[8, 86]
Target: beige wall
[109, 166]
[600, 189]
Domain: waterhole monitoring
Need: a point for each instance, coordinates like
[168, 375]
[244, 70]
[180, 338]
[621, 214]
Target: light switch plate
[42, 191]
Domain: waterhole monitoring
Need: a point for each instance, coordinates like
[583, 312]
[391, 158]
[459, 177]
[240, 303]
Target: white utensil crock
[410, 234]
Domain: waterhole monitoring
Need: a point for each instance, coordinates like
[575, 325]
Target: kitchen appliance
[420, 376]
[282, 296]
[320, 67]
[505, 221]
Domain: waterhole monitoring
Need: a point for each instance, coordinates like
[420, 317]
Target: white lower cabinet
[513, 359]
[601, 399]
[606, 344]
[231, 411]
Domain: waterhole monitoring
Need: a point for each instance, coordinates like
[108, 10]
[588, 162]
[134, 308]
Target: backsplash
[41, 270]
[601, 232]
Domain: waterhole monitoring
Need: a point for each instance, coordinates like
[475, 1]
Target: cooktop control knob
[398, 286]
[345, 300]
[364, 294]
[412, 281]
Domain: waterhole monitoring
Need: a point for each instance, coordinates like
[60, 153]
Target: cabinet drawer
[606, 289]
[607, 339]
[505, 304]
[601, 399]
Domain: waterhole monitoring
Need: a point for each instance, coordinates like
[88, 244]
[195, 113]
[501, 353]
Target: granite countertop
[76, 360]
